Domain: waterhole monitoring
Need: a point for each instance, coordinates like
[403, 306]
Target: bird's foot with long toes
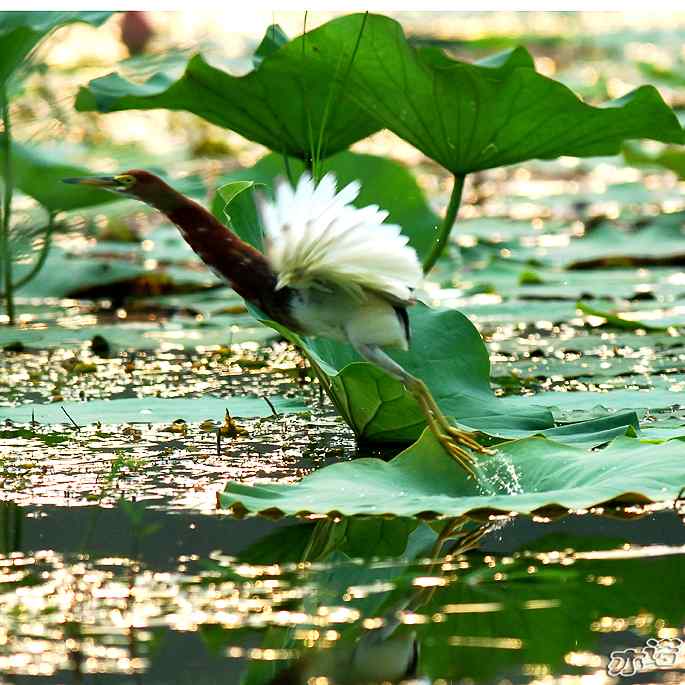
[461, 446]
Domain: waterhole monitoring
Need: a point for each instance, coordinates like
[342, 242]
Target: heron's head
[136, 183]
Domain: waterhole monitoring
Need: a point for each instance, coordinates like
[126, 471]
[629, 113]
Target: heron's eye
[125, 180]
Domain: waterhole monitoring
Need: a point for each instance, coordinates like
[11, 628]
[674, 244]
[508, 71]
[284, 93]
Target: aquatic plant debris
[551, 477]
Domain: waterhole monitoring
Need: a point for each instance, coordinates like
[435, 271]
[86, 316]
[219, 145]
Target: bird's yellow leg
[463, 437]
[460, 445]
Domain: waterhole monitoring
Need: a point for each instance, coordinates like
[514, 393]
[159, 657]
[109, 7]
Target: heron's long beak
[114, 184]
[101, 181]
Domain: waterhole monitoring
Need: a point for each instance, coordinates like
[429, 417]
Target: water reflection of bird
[329, 269]
[384, 655]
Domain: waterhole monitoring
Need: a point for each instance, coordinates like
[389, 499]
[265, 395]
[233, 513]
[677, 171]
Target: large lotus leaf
[384, 182]
[38, 172]
[448, 354]
[527, 476]
[20, 32]
[149, 409]
[283, 103]
[470, 117]
[658, 398]
[589, 433]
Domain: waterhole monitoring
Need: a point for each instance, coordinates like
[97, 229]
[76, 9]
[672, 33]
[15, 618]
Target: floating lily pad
[517, 279]
[149, 410]
[144, 335]
[592, 367]
[590, 433]
[529, 475]
[654, 399]
[66, 274]
[660, 242]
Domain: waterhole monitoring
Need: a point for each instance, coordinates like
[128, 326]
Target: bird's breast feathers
[338, 315]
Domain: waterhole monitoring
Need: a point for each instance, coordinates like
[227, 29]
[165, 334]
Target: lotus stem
[319, 540]
[47, 241]
[448, 222]
[5, 247]
[334, 97]
[288, 170]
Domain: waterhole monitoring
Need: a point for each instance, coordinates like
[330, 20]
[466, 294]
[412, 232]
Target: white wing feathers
[316, 237]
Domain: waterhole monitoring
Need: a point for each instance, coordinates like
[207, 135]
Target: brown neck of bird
[246, 269]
